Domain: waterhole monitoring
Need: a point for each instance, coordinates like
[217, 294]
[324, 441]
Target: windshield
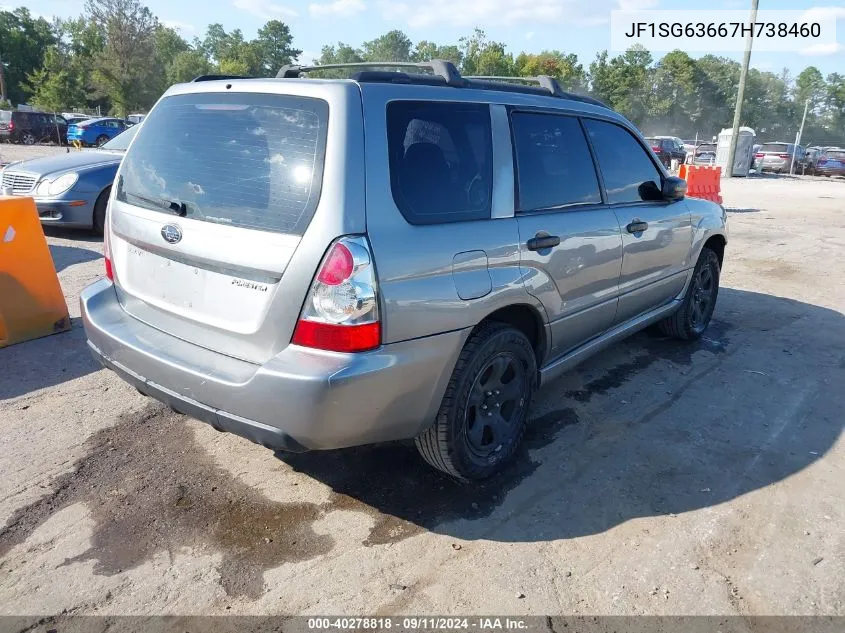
[120, 142]
[838, 155]
[248, 160]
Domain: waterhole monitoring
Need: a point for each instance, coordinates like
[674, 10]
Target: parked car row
[69, 189]
[29, 128]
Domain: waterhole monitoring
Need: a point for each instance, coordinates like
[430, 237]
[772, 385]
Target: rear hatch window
[5, 116]
[776, 148]
[246, 160]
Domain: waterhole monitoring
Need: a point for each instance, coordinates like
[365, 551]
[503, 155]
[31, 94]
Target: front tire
[692, 318]
[484, 411]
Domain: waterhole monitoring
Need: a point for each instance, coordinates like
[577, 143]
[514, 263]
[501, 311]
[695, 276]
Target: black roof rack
[442, 72]
[218, 77]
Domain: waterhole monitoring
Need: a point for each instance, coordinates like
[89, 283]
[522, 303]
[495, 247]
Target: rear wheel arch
[528, 320]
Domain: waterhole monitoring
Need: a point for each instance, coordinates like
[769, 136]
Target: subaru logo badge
[171, 233]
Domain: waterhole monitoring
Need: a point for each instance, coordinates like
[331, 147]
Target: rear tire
[484, 411]
[28, 138]
[101, 140]
[99, 219]
[692, 318]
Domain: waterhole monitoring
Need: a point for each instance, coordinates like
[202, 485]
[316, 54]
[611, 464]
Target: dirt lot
[659, 478]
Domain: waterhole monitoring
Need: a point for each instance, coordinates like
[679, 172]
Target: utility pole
[798, 137]
[743, 73]
[2, 81]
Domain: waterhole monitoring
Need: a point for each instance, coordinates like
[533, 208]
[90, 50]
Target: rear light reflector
[338, 338]
[107, 247]
[340, 313]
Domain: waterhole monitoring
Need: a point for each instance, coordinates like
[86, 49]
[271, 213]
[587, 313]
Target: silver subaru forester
[408, 253]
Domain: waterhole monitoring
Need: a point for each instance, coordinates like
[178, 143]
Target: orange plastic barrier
[31, 300]
[703, 181]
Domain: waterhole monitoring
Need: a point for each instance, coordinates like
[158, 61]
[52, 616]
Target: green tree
[393, 46]
[168, 45]
[675, 101]
[337, 54]
[625, 82]
[276, 45]
[426, 51]
[188, 65]
[483, 57]
[23, 43]
[232, 53]
[54, 86]
[565, 68]
[122, 70]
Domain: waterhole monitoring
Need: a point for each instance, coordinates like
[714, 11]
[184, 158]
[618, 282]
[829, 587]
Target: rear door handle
[637, 226]
[542, 241]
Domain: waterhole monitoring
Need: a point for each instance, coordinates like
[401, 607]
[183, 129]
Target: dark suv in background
[668, 149]
[32, 127]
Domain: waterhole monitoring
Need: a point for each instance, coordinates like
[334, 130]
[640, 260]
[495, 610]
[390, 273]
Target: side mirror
[674, 188]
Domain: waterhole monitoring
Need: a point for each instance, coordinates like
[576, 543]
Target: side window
[441, 160]
[553, 162]
[628, 171]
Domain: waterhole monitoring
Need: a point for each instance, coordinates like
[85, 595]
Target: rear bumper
[60, 212]
[830, 171]
[301, 399]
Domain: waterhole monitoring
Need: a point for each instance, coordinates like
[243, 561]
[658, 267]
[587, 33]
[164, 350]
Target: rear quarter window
[247, 160]
[441, 160]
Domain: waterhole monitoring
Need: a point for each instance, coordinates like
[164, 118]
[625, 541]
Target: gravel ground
[657, 478]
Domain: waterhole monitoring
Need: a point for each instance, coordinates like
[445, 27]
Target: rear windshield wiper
[179, 208]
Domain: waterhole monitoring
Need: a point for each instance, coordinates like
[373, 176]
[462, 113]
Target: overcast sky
[530, 25]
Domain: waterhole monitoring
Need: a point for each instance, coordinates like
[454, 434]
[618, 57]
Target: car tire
[101, 140]
[484, 411]
[692, 318]
[99, 219]
[28, 138]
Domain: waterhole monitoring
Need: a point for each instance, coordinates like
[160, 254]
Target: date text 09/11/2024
[419, 624]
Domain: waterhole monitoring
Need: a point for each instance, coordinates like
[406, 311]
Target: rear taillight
[759, 155]
[656, 148]
[341, 310]
[11, 125]
[783, 155]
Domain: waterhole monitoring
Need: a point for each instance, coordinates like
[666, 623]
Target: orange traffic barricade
[31, 300]
[703, 182]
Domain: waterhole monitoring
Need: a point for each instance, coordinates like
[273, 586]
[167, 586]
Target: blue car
[70, 189]
[831, 162]
[95, 132]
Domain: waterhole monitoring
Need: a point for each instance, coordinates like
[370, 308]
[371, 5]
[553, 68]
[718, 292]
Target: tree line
[119, 57]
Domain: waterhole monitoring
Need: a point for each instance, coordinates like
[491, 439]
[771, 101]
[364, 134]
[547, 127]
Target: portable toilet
[744, 150]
